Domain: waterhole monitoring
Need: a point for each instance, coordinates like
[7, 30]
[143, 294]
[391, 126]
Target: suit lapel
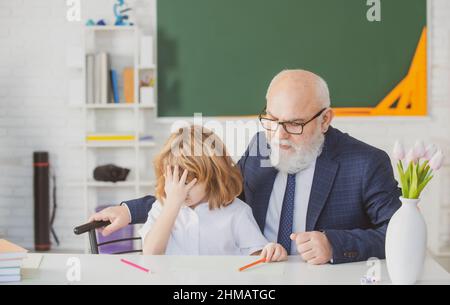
[324, 175]
[323, 180]
[262, 195]
[262, 181]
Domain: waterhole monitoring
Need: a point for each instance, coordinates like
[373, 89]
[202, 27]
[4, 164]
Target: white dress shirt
[303, 184]
[231, 230]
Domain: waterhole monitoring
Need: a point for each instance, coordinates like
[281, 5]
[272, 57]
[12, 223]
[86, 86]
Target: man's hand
[119, 217]
[313, 247]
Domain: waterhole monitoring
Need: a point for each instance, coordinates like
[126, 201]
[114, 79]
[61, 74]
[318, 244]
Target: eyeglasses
[292, 127]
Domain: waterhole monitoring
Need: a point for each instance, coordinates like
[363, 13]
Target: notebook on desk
[10, 251]
[11, 258]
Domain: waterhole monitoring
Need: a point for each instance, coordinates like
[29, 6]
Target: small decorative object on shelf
[90, 22]
[406, 236]
[111, 173]
[101, 22]
[120, 8]
[147, 91]
[369, 280]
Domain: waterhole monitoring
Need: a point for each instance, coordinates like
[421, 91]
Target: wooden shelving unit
[123, 46]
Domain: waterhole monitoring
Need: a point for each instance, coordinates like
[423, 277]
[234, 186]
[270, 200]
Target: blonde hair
[203, 154]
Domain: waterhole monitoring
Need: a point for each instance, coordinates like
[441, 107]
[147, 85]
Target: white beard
[303, 156]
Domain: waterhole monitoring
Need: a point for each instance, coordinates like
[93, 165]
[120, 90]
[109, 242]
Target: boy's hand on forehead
[175, 187]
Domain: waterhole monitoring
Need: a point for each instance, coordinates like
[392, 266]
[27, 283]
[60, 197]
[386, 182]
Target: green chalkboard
[217, 57]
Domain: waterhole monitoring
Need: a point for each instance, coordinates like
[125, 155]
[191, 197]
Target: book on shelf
[115, 86]
[105, 80]
[146, 138]
[110, 137]
[97, 76]
[98, 79]
[128, 85]
[90, 70]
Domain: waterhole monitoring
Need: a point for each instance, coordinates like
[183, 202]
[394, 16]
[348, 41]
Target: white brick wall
[34, 113]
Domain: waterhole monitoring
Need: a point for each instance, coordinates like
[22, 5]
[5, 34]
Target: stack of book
[102, 82]
[11, 258]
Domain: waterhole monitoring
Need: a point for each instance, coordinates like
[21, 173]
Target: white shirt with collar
[303, 185]
[230, 230]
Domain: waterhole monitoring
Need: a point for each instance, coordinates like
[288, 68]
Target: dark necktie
[287, 215]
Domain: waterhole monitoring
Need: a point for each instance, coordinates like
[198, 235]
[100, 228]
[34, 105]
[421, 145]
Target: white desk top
[218, 270]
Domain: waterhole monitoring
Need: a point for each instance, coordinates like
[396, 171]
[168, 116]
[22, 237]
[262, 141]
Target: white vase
[406, 242]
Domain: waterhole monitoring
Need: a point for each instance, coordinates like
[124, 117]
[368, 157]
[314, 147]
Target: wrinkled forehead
[290, 109]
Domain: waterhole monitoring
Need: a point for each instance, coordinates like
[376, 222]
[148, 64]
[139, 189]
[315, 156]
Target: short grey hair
[324, 92]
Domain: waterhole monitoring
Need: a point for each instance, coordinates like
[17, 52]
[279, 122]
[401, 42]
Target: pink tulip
[437, 161]
[430, 151]
[419, 149]
[399, 151]
[411, 157]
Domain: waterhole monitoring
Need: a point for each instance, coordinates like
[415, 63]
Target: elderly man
[324, 195]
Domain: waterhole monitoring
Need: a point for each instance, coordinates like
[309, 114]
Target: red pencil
[259, 261]
[134, 265]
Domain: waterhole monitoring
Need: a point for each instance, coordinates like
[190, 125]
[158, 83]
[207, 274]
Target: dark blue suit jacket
[353, 196]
